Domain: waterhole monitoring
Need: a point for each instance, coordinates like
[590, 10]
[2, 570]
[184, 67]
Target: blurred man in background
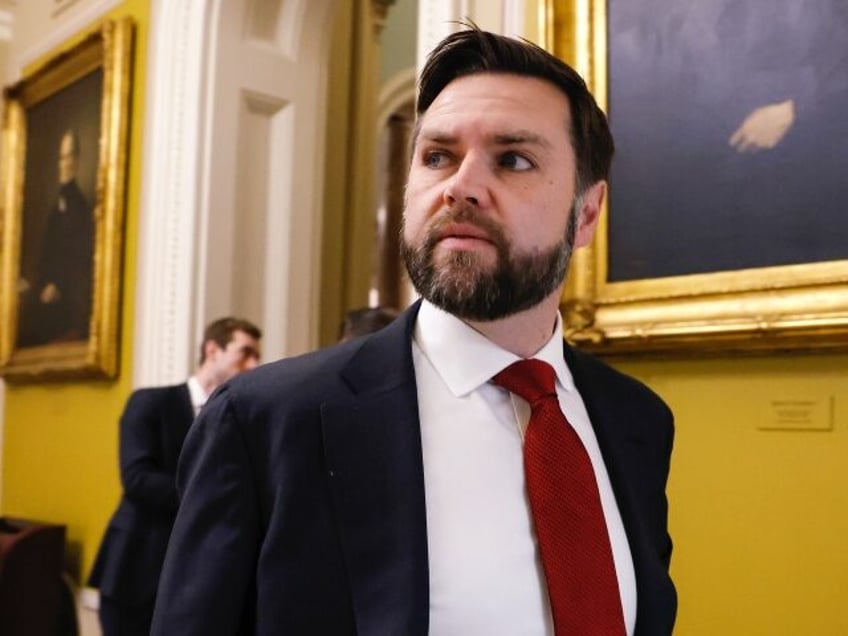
[153, 426]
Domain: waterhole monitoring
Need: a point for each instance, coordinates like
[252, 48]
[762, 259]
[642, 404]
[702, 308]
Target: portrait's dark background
[683, 76]
[76, 107]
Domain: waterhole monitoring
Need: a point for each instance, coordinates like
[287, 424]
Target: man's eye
[249, 352]
[515, 161]
[435, 159]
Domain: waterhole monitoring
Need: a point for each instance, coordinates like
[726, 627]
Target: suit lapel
[372, 444]
[185, 412]
[617, 442]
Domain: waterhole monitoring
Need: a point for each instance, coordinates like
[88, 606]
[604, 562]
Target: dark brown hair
[221, 332]
[360, 322]
[472, 51]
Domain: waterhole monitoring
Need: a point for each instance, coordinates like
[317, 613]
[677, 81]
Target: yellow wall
[759, 517]
[60, 447]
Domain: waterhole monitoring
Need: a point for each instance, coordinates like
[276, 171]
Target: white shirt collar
[197, 394]
[465, 359]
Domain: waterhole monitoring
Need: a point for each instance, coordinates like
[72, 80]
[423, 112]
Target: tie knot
[531, 379]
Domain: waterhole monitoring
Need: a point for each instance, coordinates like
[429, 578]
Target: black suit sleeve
[211, 559]
[146, 481]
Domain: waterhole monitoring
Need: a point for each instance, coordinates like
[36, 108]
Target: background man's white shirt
[198, 395]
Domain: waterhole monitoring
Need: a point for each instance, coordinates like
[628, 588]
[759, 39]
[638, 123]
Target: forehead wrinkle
[521, 137]
[438, 136]
[512, 138]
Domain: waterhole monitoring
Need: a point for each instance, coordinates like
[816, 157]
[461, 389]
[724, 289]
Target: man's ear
[589, 213]
[210, 347]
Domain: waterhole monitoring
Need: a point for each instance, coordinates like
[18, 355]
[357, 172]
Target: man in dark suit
[153, 427]
[378, 486]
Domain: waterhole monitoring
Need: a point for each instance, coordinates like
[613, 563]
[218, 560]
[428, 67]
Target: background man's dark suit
[153, 427]
[318, 506]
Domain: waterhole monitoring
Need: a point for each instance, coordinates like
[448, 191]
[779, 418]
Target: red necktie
[570, 526]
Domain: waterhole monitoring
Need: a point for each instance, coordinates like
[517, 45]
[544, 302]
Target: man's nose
[470, 183]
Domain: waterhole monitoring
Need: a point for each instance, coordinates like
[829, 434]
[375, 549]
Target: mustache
[468, 214]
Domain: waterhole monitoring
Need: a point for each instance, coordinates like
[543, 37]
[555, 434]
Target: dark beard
[463, 286]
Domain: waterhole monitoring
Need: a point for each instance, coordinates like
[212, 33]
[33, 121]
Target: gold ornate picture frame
[65, 140]
[798, 306]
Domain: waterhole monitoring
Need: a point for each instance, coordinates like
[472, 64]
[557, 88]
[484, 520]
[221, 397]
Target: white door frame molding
[182, 215]
[179, 53]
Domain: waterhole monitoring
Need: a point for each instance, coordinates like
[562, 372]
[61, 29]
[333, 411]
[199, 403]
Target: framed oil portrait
[65, 139]
[726, 221]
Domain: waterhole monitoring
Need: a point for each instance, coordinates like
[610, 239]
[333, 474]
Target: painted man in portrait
[56, 305]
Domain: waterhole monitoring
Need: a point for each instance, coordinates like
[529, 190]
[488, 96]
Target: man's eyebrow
[501, 139]
[438, 136]
[521, 137]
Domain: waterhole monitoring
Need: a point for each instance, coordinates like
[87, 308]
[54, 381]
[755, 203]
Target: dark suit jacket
[153, 427]
[303, 496]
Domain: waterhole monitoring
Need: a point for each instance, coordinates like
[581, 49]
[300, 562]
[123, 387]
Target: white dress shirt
[486, 575]
[197, 394]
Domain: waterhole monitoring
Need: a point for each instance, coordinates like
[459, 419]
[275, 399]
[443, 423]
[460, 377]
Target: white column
[438, 18]
[170, 214]
[233, 175]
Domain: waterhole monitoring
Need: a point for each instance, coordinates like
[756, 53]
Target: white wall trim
[67, 28]
[169, 201]
[438, 18]
[514, 20]
[7, 22]
[188, 210]
[435, 21]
